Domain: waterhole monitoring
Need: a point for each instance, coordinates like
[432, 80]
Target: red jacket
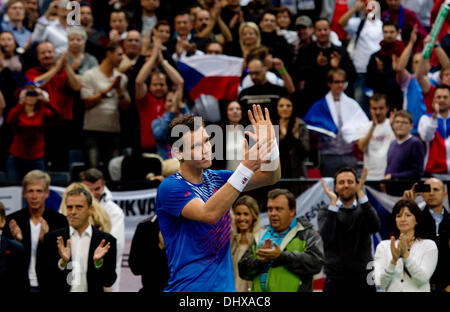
[28, 140]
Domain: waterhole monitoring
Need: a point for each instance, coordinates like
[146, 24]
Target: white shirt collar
[407, 138]
[339, 204]
[88, 231]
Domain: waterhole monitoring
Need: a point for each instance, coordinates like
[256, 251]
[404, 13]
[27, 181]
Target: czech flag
[215, 75]
[322, 117]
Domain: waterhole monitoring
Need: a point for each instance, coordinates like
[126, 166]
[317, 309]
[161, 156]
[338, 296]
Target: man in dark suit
[77, 258]
[13, 268]
[29, 225]
[436, 226]
[148, 256]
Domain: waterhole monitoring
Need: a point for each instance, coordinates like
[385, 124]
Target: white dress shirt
[79, 251]
[35, 231]
[409, 275]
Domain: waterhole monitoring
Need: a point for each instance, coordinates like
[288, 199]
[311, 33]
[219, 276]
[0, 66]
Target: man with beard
[346, 226]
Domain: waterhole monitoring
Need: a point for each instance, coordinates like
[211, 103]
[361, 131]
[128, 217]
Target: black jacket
[54, 220]
[441, 275]
[346, 239]
[147, 259]
[52, 279]
[13, 267]
[315, 76]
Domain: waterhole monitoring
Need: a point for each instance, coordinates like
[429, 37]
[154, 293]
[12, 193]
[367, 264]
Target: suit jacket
[441, 275]
[52, 279]
[147, 259]
[13, 267]
[54, 220]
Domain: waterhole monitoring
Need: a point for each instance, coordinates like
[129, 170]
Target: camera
[422, 188]
[31, 93]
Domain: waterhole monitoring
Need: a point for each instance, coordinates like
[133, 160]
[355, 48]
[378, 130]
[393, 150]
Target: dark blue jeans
[17, 168]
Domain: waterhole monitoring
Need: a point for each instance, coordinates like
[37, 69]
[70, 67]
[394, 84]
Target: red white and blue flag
[215, 75]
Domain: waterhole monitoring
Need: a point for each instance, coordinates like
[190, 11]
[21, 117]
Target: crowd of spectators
[104, 82]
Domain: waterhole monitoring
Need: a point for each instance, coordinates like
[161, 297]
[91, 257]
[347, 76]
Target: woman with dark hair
[233, 135]
[407, 261]
[294, 140]
[9, 56]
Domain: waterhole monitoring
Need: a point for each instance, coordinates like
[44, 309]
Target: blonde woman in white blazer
[406, 262]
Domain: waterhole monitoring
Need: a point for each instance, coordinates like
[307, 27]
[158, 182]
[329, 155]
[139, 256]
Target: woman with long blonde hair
[99, 217]
[245, 224]
[249, 37]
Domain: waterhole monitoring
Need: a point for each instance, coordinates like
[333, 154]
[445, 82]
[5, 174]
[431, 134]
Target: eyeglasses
[338, 81]
[398, 122]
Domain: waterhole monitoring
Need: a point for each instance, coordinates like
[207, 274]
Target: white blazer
[420, 264]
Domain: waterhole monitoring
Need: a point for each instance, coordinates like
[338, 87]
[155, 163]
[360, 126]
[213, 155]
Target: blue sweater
[405, 161]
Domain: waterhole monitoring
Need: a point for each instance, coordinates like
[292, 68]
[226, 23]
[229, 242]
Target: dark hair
[225, 111]
[292, 118]
[2, 211]
[279, 191]
[442, 86]
[161, 23]
[259, 53]
[120, 11]
[415, 210]
[80, 191]
[391, 23]
[322, 19]
[112, 47]
[271, 12]
[404, 114]
[91, 175]
[186, 120]
[85, 3]
[345, 169]
[284, 10]
[378, 96]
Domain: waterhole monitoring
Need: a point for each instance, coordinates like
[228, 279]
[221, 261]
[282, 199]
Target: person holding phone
[285, 254]
[436, 227]
[27, 120]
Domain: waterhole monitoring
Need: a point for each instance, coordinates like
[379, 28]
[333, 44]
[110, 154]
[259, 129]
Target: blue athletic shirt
[199, 254]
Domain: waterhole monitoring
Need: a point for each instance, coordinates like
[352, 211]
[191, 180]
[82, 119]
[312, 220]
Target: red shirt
[59, 91]
[149, 108]
[28, 140]
[340, 8]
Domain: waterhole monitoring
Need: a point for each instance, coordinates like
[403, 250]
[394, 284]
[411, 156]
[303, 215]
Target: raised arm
[422, 70]
[217, 205]
[140, 85]
[343, 21]
[46, 77]
[399, 64]
[288, 83]
[173, 74]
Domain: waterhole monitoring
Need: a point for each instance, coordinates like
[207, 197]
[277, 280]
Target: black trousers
[348, 285]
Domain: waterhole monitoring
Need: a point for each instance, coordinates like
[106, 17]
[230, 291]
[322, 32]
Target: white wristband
[275, 151]
[240, 177]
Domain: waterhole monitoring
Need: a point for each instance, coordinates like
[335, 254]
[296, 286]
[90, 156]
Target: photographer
[27, 120]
